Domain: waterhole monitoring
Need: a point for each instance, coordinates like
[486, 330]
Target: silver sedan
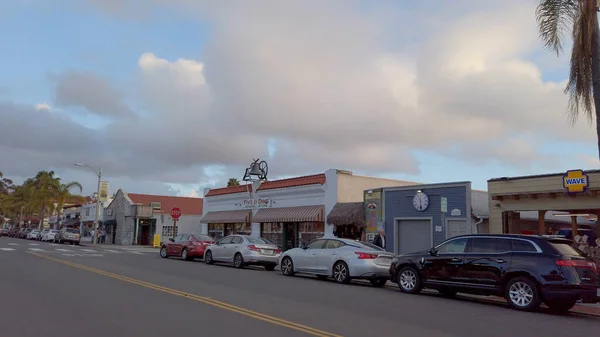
[243, 250]
[342, 259]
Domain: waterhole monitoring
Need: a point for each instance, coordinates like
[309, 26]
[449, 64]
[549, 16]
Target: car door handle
[500, 260]
[456, 260]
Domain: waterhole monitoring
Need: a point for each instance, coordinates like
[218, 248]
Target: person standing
[379, 239]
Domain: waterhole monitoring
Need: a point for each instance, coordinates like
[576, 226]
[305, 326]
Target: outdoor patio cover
[347, 213]
[237, 216]
[290, 214]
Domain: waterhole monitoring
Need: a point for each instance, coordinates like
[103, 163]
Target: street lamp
[99, 174]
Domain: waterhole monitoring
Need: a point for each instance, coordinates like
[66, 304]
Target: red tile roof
[316, 179]
[187, 205]
[229, 190]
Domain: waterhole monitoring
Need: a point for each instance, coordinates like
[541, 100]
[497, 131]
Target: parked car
[186, 246]
[31, 234]
[50, 235]
[342, 259]
[41, 233]
[23, 234]
[526, 270]
[4, 232]
[243, 250]
[70, 235]
[13, 232]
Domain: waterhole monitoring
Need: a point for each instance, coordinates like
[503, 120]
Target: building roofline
[546, 175]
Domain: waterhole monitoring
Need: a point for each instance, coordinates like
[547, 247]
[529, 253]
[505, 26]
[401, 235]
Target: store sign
[256, 203]
[575, 181]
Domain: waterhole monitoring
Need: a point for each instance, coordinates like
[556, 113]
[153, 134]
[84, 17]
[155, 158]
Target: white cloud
[42, 106]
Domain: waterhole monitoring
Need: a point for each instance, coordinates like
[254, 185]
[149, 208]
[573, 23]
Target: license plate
[266, 251]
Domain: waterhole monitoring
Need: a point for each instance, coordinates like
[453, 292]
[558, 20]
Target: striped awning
[238, 216]
[290, 214]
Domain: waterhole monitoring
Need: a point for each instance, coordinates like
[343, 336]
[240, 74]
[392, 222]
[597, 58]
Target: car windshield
[259, 241]
[567, 249]
[368, 245]
[72, 230]
[200, 237]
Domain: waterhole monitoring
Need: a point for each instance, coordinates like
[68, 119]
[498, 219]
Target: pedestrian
[379, 239]
[92, 236]
[102, 236]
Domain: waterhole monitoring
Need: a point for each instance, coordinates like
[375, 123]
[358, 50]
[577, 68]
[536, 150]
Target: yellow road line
[202, 299]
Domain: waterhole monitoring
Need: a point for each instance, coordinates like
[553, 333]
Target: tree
[46, 186]
[233, 182]
[63, 195]
[555, 18]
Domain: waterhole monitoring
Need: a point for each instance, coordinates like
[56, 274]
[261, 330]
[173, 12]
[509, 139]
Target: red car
[186, 246]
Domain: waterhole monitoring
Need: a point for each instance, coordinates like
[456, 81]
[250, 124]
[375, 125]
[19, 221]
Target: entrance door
[290, 235]
[456, 228]
[145, 235]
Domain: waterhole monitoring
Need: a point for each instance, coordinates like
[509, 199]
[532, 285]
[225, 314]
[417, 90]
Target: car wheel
[341, 273]
[270, 267]
[238, 261]
[184, 254]
[561, 307]
[409, 280]
[522, 294]
[287, 266]
[378, 282]
[447, 292]
[208, 257]
[163, 252]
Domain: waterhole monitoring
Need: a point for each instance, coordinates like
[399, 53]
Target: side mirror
[217, 243]
[171, 240]
[433, 251]
[303, 246]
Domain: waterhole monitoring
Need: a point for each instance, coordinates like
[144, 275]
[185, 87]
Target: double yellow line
[205, 300]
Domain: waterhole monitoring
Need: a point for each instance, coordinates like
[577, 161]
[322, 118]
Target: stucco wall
[186, 224]
[351, 188]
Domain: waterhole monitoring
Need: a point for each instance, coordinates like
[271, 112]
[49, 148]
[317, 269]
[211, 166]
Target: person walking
[379, 239]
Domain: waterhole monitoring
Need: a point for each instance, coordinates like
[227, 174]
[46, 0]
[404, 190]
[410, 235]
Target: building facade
[289, 212]
[572, 195]
[418, 217]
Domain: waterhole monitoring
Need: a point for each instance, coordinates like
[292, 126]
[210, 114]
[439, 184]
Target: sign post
[175, 214]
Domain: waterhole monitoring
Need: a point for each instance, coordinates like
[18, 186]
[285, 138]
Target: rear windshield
[72, 230]
[200, 237]
[566, 249]
[367, 245]
[259, 241]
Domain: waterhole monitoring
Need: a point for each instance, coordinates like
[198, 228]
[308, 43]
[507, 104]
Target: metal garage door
[457, 227]
[413, 236]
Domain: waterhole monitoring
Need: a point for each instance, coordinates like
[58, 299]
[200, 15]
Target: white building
[289, 211]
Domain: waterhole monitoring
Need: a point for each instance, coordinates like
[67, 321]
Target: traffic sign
[175, 213]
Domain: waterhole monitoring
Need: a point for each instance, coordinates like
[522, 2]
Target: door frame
[447, 220]
[397, 229]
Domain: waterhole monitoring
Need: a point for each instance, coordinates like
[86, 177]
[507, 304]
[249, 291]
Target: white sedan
[33, 234]
[342, 259]
[50, 235]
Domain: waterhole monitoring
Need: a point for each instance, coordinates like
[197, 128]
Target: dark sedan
[526, 270]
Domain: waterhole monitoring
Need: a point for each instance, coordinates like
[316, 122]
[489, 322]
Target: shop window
[272, 232]
[169, 231]
[216, 230]
[309, 231]
[239, 229]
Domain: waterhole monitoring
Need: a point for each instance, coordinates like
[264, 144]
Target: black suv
[526, 270]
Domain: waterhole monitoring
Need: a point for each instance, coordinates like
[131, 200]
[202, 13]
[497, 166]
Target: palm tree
[555, 18]
[24, 199]
[46, 187]
[233, 182]
[63, 195]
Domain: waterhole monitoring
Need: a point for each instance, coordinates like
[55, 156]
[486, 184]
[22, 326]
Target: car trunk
[575, 262]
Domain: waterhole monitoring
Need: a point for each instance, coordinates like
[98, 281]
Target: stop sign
[175, 213]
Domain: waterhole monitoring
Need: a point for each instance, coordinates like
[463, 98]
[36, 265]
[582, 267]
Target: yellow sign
[156, 243]
[575, 181]
[103, 191]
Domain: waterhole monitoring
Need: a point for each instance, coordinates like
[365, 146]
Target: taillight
[254, 248]
[277, 251]
[363, 256]
[577, 264]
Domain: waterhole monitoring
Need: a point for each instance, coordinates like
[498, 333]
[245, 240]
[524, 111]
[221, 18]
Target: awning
[239, 216]
[290, 214]
[347, 213]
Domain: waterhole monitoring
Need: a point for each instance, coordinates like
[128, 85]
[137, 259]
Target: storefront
[573, 195]
[349, 220]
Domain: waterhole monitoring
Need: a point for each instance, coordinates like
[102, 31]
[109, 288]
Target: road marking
[88, 250]
[7, 249]
[13, 244]
[112, 251]
[132, 252]
[36, 249]
[34, 244]
[202, 299]
[63, 250]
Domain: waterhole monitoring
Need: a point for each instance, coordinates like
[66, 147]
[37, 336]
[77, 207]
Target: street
[51, 293]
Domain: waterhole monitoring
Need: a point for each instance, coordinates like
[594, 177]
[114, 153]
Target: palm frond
[555, 18]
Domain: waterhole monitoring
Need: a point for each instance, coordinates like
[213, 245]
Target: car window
[333, 244]
[367, 245]
[522, 246]
[488, 245]
[566, 249]
[225, 240]
[184, 238]
[453, 246]
[317, 244]
[72, 230]
[237, 240]
[258, 241]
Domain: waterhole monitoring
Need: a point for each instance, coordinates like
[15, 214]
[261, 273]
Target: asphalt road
[46, 293]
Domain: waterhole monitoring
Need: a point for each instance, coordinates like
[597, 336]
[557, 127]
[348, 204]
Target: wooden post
[574, 225]
[541, 222]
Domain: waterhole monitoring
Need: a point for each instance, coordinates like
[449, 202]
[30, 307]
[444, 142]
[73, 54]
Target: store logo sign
[256, 203]
[575, 181]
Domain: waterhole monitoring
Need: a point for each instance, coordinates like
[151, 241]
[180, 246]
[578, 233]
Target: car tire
[409, 280]
[184, 255]
[378, 282]
[561, 307]
[341, 272]
[522, 294]
[238, 261]
[287, 266]
[270, 267]
[163, 252]
[208, 257]
[447, 292]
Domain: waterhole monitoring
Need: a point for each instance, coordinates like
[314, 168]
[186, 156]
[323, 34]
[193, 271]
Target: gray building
[415, 218]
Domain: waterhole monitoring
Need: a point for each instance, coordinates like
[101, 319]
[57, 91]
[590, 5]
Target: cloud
[331, 84]
[87, 90]
[42, 106]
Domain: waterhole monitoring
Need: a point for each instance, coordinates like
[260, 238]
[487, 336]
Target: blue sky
[45, 41]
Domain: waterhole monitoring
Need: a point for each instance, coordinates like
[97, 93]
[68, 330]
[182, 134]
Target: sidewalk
[87, 242]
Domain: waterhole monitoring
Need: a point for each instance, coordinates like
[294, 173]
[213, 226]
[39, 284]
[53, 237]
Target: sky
[174, 96]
